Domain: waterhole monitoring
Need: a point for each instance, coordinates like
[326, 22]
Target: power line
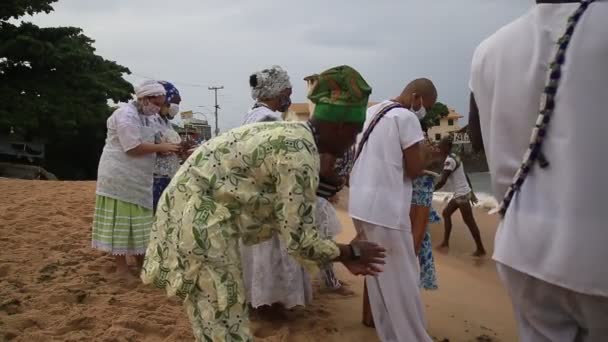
[179, 83]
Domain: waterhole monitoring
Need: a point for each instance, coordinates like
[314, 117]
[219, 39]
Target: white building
[447, 125]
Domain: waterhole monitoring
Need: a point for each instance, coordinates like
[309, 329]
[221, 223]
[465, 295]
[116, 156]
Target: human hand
[474, 199]
[168, 148]
[371, 256]
[357, 268]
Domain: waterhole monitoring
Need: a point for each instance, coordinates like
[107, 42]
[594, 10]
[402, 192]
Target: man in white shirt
[453, 175]
[551, 244]
[380, 197]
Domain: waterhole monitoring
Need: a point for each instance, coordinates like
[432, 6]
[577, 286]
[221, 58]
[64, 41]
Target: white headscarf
[149, 88]
[269, 83]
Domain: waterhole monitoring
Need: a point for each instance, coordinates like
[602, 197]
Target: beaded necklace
[534, 153]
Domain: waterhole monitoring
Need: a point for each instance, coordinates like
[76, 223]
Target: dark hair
[253, 81]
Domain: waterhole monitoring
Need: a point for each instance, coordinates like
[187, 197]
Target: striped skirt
[121, 228]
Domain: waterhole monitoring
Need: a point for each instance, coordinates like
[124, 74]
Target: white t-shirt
[260, 114]
[555, 228]
[457, 182]
[379, 192]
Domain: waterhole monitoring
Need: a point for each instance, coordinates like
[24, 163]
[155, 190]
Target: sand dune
[54, 287]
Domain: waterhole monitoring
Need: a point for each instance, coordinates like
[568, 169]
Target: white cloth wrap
[149, 88]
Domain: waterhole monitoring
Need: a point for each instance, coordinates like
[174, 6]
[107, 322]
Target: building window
[450, 122]
[437, 136]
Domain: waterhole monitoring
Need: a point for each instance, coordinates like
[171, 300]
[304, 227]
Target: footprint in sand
[78, 324]
[5, 270]
[272, 332]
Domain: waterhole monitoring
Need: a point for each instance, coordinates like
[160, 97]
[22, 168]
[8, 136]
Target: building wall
[436, 133]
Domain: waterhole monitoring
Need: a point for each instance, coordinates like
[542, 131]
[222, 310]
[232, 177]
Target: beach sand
[54, 287]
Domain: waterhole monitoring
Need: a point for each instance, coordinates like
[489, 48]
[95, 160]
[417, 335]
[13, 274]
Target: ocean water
[482, 187]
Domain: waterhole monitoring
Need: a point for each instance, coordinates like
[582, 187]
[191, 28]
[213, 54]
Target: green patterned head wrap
[340, 94]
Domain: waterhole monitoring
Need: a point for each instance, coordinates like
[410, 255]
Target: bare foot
[443, 248]
[479, 253]
[343, 291]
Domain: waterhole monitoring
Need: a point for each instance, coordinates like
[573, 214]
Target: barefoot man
[453, 173]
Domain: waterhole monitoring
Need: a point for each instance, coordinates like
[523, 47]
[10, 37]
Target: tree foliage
[17, 8]
[438, 111]
[55, 88]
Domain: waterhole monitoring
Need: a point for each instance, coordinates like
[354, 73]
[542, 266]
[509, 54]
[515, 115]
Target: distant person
[123, 206]
[271, 91]
[268, 189]
[380, 198]
[453, 173]
[539, 104]
[166, 164]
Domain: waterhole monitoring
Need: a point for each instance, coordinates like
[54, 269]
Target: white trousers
[394, 295]
[549, 313]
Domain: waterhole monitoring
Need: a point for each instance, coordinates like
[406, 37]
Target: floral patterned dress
[247, 184]
[422, 195]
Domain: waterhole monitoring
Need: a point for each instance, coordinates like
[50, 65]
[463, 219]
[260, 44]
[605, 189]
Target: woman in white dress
[273, 279]
[123, 207]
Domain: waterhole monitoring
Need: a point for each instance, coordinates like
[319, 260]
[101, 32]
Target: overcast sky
[197, 43]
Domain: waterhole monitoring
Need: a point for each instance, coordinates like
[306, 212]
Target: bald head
[421, 86]
[420, 92]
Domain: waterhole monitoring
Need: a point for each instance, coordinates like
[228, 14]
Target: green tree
[55, 88]
[433, 116]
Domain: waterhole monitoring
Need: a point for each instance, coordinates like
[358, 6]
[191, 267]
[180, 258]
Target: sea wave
[486, 201]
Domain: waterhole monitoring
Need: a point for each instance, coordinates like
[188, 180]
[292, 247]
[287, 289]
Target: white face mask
[173, 110]
[150, 109]
[421, 112]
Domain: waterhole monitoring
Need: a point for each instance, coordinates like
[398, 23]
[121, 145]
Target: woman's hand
[167, 148]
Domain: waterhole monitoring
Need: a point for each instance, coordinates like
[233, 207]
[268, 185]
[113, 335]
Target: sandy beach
[55, 287]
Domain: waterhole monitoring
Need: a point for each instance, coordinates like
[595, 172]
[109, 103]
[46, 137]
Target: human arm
[411, 137]
[128, 129]
[147, 148]
[474, 127]
[413, 162]
[448, 167]
[474, 199]
[295, 210]
[419, 215]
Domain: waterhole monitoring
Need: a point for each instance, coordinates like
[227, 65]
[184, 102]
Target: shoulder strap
[377, 117]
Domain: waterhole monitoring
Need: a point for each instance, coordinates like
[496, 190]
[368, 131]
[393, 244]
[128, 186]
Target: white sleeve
[410, 131]
[475, 66]
[449, 164]
[128, 128]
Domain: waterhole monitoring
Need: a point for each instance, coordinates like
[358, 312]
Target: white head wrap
[149, 88]
[269, 83]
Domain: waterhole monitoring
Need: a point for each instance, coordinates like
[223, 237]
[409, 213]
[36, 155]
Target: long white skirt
[326, 219]
[394, 295]
[273, 276]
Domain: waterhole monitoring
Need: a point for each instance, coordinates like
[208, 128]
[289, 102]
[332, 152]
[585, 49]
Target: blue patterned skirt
[428, 275]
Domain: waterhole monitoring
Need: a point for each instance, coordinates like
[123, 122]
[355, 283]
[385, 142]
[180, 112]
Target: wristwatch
[355, 252]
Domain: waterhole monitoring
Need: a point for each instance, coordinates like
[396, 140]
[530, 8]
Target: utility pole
[215, 89]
